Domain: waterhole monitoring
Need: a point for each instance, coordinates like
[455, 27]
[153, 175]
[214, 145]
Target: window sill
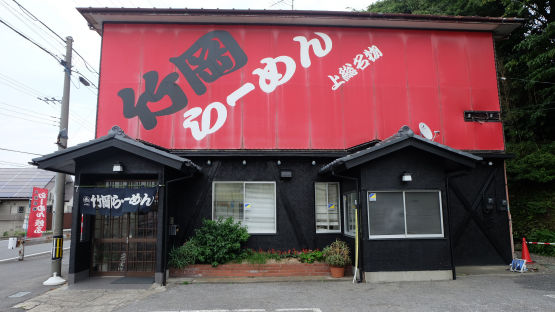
[328, 232]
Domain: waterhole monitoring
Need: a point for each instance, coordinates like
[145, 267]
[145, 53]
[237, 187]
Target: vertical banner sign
[37, 213]
[57, 247]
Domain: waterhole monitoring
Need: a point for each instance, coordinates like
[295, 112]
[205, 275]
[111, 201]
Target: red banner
[37, 215]
[293, 87]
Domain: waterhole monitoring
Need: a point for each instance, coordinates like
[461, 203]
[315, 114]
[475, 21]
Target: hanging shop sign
[116, 201]
[37, 213]
[290, 87]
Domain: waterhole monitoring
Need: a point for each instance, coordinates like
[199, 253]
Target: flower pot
[337, 271]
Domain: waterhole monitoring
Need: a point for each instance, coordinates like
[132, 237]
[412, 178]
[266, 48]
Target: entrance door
[125, 245]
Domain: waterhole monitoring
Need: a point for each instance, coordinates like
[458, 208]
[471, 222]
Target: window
[405, 214]
[252, 203]
[350, 204]
[327, 207]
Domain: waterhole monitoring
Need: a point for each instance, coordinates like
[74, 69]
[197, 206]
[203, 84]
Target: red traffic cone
[525, 253]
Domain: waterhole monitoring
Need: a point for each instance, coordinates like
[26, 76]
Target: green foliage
[545, 236]
[311, 257]
[337, 254]
[183, 256]
[261, 257]
[219, 241]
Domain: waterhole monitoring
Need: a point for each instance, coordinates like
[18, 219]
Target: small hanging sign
[372, 197]
[116, 201]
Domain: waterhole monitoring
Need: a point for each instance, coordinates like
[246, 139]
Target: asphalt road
[516, 292]
[6, 253]
[25, 276]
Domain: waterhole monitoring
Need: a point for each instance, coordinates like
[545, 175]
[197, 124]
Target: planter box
[253, 270]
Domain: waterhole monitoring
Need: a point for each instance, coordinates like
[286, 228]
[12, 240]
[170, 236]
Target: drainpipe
[360, 263]
[450, 175]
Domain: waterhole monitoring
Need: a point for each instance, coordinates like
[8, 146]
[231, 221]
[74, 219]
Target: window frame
[345, 211]
[406, 236]
[244, 188]
[321, 231]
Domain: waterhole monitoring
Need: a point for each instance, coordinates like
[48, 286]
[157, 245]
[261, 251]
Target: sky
[30, 125]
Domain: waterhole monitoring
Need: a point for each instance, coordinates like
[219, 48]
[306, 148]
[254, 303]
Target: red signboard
[281, 87]
[37, 215]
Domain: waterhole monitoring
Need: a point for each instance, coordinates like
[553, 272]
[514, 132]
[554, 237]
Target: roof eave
[500, 27]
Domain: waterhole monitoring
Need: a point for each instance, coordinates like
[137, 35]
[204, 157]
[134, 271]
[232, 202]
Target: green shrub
[311, 256]
[219, 241]
[183, 256]
[543, 235]
[337, 254]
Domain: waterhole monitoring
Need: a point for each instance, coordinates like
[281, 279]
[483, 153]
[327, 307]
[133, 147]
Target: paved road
[6, 253]
[25, 276]
[517, 292]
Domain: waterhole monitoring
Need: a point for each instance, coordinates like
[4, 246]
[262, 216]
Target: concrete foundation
[408, 276]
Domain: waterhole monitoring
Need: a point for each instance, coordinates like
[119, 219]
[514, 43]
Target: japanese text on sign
[37, 213]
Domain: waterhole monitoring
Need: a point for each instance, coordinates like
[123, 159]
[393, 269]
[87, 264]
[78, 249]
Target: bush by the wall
[219, 241]
[183, 256]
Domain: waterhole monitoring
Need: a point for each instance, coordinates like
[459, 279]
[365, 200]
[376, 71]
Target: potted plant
[336, 255]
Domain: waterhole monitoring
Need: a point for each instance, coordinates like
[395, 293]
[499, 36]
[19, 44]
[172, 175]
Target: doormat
[133, 280]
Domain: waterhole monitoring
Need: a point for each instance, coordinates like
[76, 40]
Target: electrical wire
[88, 66]
[28, 111]
[30, 23]
[16, 151]
[35, 121]
[21, 85]
[57, 58]
[13, 164]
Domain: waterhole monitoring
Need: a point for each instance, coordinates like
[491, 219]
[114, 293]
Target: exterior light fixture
[208, 162]
[278, 162]
[117, 167]
[244, 162]
[407, 177]
[314, 163]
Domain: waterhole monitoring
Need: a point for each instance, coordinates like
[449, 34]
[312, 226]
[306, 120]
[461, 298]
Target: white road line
[550, 296]
[31, 255]
[300, 309]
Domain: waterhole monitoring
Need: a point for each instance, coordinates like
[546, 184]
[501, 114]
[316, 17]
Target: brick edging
[252, 270]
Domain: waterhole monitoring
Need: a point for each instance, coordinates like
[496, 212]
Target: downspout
[358, 242]
[450, 175]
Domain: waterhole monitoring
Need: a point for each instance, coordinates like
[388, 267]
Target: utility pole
[58, 212]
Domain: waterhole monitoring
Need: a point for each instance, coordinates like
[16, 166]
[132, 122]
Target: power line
[35, 121]
[30, 23]
[19, 84]
[13, 164]
[28, 114]
[87, 65]
[16, 151]
[28, 111]
[57, 58]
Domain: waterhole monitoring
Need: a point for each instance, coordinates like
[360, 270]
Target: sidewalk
[103, 294]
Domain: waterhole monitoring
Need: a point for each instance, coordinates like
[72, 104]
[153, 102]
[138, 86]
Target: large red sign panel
[280, 87]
